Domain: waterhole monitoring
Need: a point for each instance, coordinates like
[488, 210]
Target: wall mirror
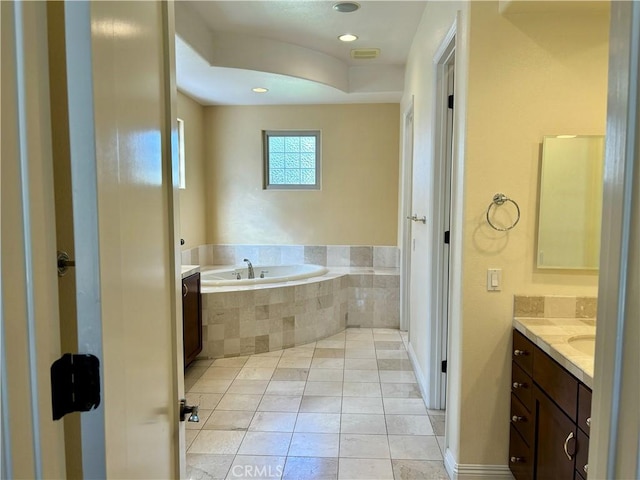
[570, 202]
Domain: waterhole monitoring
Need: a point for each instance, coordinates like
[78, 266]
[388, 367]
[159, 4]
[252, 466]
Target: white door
[407, 224]
[120, 110]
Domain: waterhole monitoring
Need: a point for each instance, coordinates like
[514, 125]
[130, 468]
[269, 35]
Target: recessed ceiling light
[347, 37]
[260, 90]
[346, 7]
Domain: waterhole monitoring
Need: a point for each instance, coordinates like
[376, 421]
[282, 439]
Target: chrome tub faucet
[251, 272]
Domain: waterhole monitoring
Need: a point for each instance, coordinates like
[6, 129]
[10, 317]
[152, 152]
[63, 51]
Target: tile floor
[346, 407]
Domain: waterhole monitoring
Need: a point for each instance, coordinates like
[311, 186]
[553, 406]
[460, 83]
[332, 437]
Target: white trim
[405, 211]
[458, 471]
[420, 378]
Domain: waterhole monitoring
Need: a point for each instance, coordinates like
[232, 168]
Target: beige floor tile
[239, 401]
[436, 412]
[210, 386]
[200, 465]
[311, 468]
[229, 420]
[205, 401]
[360, 344]
[408, 425]
[363, 424]
[219, 442]
[401, 390]
[419, 470]
[384, 345]
[437, 421]
[330, 344]
[361, 389]
[257, 466]
[392, 354]
[360, 353]
[327, 363]
[392, 376]
[318, 422]
[265, 443]
[231, 361]
[280, 403]
[273, 422]
[363, 446]
[414, 447]
[327, 389]
[291, 373]
[275, 353]
[441, 444]
[321, 404]
[360, 364]
[365, 469]
[301, 352]
[325, 375]
[361, 376]
[203, 362]
[255, 373]
[250, 387]
[220, 373]
[362, 405]
[404, 406]
[294, 362]
[285, 387]
[314, 445]
[261, 362]
[329, 353]
[395, 364]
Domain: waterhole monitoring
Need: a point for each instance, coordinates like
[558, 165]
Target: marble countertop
[552, 335]
[189, 270]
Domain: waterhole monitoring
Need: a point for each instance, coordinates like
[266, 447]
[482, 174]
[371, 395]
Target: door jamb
[407, 202]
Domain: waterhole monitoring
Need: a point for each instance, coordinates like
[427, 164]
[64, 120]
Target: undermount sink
[583, 343]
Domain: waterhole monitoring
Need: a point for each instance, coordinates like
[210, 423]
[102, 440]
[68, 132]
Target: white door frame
[407, 201]
[438, 323]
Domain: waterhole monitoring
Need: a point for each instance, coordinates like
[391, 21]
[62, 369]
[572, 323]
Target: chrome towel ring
[498, 200]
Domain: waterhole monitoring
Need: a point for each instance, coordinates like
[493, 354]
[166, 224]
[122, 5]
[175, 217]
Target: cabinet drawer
[520, 457]
[521, 386]
[582, 454]
[522, 420]
[584, 409]
[556, 382]
[522, 352]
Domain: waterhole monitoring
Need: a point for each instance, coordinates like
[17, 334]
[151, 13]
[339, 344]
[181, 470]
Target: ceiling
[225, 48]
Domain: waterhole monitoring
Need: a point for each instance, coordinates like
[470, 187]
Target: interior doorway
[407, 179]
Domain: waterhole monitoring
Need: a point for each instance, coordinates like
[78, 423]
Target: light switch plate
[494, 279]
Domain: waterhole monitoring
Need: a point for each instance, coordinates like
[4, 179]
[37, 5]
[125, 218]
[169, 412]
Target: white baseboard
[458, 471]
[420, 378]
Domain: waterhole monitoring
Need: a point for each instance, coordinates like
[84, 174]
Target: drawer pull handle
[520, 353]
[517, 385]
[516, 418]
[588, 422]
[566, 443]
[586, 468]
[516, 459]
[185, 290]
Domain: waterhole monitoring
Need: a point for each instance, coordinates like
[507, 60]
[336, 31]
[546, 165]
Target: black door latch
[75, 384]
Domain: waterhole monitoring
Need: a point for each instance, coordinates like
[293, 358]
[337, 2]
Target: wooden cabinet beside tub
[191, 317]
[550, 417]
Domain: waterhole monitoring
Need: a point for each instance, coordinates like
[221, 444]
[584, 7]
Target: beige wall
[357, 204]
[526, 76]
[192, 198]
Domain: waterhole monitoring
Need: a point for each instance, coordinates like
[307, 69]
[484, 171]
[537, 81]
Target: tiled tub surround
[263, 318]
[325, 255]
[550, 321]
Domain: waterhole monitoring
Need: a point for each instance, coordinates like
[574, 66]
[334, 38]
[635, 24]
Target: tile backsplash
[554, 306]
[326, 255]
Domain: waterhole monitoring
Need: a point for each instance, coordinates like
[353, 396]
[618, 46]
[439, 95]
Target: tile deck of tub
[346, 407]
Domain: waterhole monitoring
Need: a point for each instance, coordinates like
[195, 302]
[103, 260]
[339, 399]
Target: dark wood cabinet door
[191, 318]
[556, 440]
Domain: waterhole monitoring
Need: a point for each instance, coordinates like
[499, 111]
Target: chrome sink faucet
[251, 272]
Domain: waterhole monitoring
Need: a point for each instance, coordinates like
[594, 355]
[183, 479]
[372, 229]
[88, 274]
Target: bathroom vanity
[550, 405]
[191, 316]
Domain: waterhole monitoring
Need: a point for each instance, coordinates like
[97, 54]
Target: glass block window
[292, 159]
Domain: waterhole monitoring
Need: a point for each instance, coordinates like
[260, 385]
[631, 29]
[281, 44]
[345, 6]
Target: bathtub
[272, 274]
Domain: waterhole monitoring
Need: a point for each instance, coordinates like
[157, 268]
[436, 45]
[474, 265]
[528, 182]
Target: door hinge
[75, 384]
[444, 366]
[450, 101]
[446, 237]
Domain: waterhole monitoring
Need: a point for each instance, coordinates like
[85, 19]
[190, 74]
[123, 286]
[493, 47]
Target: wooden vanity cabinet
[549, 435]
[191, 318]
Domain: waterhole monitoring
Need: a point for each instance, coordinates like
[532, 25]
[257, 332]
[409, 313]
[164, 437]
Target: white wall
[518, 78]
